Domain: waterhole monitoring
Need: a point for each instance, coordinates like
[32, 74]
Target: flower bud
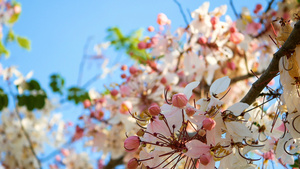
[202, 40]
[231, 65]
[132, 143]
[114, 92]
[162, 19]
[133, 70]
[154, 110]
[204, 159]
[236, 37]
[151, 29]
[124, 67]
[179, 100]
[132, 164]
[87, 103]
[190, 111]
[142, 45]
[209, 124]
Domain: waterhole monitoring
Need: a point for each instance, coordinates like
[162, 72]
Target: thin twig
[80, 73]
[233, 8]
[23, 128]
[181, 11]
[272, 69]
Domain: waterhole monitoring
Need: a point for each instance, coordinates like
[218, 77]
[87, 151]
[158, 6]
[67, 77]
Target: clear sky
[58, 29]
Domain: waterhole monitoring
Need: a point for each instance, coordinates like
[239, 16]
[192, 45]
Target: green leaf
[10, 36]
[24, 42]
[57, 83]
[14, 18]
[298, 1]
[34, 85]
[3, 50]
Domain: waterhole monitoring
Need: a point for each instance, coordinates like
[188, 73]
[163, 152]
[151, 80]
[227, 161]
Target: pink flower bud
[204, 159]
[133, 70]
[179, 100]
[202, 40]
[214, 20]
[162, 19]
[163, 80]
[232, 29]
[87, 103]
[142, 45]
[132, 164]
[258, 7]
[123, 76]
[236, 37]
[190, 111]
[231, 65]
[151, 29]
[114, 92]
[125, 107]
[154, 110]
[124, 67]
[209, 124]
[132, 143]
[224, 70]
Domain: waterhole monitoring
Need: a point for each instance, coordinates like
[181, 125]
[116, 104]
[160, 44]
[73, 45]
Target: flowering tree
[195, 98]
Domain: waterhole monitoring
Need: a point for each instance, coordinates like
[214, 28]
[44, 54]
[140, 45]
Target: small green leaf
[10, 36]
[3, 50]
[14, 18]
[24, 42]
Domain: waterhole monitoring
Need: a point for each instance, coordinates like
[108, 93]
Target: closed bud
[202, 40]
[133, 70]
[114, 92]
[142, 45]
[133, 164]
[204, 159]
[190, 111]
[87, 103]
[179, 100]
[154, 110]
[209, 124]
[132, 143]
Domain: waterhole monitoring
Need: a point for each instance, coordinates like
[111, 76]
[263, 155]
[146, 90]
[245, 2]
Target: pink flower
[236, 37]
[196, 149]
[179, 100]
[132, 143]
[209, 124]
[231, 65]
[125, 107]
[125, 90]
[162, 19]
[154, 110]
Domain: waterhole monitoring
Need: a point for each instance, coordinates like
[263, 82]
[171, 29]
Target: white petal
[188, 90]
[238, 108]
[219, 86]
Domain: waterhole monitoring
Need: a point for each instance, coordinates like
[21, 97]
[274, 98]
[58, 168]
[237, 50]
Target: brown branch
[23, 128]
[114, 162]
[272, 70]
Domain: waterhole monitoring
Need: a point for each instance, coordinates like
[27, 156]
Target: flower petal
[238, 108]
[188, 90]
[219, 86]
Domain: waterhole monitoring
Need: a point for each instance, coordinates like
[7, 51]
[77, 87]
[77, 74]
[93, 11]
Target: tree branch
[181, 11]
[272, 70]
[233, 8]
[114, 162]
